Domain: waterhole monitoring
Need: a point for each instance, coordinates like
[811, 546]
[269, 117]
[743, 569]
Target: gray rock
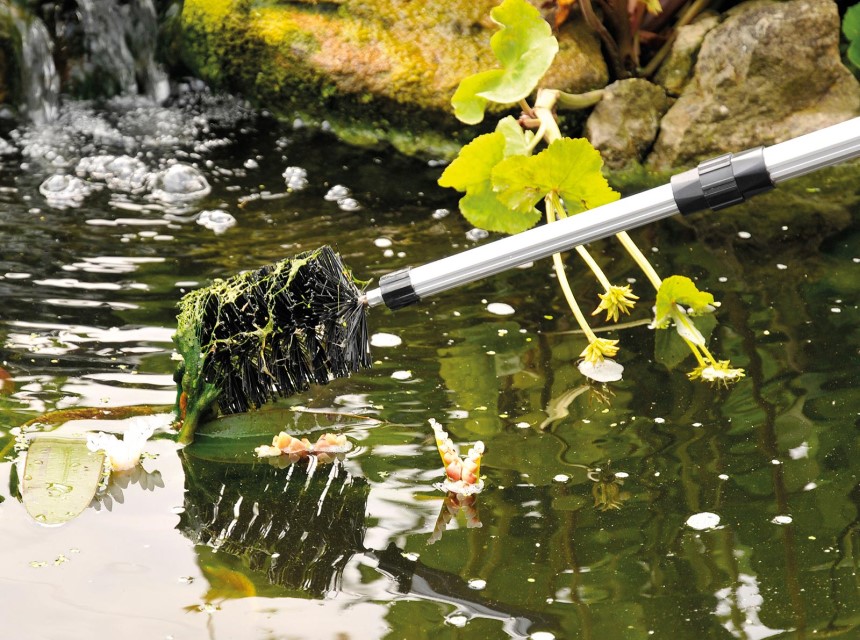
[678, 67]
[625, 122]
[771, 71]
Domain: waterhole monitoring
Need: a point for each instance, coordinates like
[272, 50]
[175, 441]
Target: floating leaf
[524, 46]
[471, 171]
[569, 168]
[680, 290]
[61, 476]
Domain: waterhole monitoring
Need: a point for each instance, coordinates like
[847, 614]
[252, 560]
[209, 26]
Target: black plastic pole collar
[722, 182]
[397, 290]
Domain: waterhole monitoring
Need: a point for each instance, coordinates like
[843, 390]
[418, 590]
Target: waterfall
[116, 44]
[120, 41]
[39, 80]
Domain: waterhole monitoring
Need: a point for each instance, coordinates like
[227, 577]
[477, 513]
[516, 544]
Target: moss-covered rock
[374, 69]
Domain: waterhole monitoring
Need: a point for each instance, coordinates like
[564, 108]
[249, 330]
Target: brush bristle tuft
[275, 331]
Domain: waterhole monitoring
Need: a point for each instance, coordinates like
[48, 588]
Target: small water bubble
[561, 477]
[703, 521]
[216, 220]
[440, 213]
[337, 192]
[385, 340]
[348, 204]
[250, 163]
[541, 635]
[296, 178]
[781, 267]
[782, 520]
[476, 234]
[477, 584]
[388, 253]
[401, 375]
[500, 309]
[522, 425]
[382, 243]
[746, 235]
[457, 620]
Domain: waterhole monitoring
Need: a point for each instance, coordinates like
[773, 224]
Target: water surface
[657, 507]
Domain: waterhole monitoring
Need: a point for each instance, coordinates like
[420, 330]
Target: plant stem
[561, 275]
[595, 268]
[640, 259]
[686, 18]
[579, 100]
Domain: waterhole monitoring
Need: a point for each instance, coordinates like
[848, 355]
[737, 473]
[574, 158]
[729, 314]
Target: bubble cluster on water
[63, 191]
[337, 192]
[179, 183]
[216, 220]
[296, 178]
[476, 234]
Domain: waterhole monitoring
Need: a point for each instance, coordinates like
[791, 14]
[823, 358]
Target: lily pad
[60, 479]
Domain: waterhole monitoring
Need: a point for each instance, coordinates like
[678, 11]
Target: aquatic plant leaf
[471, 171]
[61, 476]
[680, 290]
[851, 23]
[569, 168]
[524, 46]
[472, 167]
[517, 139]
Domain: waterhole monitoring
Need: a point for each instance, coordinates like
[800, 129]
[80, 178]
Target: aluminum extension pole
[714, 184]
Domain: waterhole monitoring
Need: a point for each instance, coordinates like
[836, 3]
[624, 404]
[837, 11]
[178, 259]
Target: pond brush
[277, 330]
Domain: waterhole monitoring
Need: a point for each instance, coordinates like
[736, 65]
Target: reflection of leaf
[670, 350]
[60, 478]
[569, 168]
[226, 583]
[524, 46]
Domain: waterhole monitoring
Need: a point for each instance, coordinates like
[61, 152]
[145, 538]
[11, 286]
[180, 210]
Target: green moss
[375, 70]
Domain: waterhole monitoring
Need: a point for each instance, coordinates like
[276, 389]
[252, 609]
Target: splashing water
[40, 81]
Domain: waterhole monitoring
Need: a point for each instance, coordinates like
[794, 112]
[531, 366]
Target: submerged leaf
[524, 46]
[569, 168]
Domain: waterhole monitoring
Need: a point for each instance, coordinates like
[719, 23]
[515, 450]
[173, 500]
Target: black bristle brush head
[271, 332]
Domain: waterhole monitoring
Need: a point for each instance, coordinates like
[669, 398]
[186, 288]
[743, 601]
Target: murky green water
[592, 501]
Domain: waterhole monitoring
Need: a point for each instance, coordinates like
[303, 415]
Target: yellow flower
[598, 349]
[719, 373]
[615, 301]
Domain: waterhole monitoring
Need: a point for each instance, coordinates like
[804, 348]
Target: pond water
[655, 507]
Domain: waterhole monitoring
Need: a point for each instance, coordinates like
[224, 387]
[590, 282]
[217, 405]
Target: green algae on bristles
[267, 333]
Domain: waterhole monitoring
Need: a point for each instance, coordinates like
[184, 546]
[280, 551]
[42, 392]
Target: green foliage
[680, 290]
[567, 168]
[471, 172]
[524, 46]
[851, 30]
